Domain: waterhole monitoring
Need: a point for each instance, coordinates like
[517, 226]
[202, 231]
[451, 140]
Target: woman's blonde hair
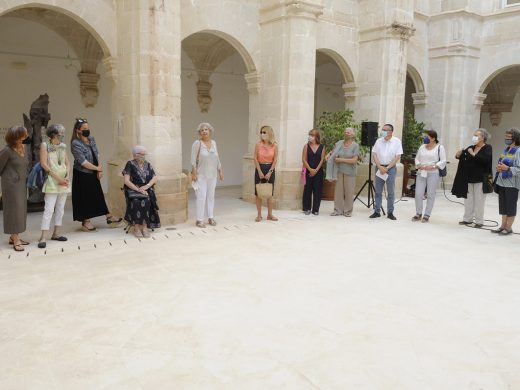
[270, 134]
[316, 134]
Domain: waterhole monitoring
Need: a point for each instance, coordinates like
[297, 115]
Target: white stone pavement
[303, 303]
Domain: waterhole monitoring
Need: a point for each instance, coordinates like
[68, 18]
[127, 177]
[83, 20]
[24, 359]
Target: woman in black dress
[88, 200]
[141, 206]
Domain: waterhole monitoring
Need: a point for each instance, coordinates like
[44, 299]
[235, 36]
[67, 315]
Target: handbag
[495, 185]
[264, 190]
[303, 176]
[132, 194]
[36, 177]
[444, 171]
[487, 183]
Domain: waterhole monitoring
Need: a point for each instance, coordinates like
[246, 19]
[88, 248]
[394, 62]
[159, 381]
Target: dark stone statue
[36, 125]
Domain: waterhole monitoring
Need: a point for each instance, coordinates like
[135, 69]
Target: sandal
[506, 232]
[22, 242]
[113, 219]
[425, 219]
[146, 233]
[138, 233]
[258, 219]
[212, 222]
[417, 217]
[200, 224]
[499, 230]
[59, 238]
[18, 247]
[85, 228]
[272, 218]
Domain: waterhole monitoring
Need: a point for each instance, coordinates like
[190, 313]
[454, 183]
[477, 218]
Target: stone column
[253, 81]
[148, 99]
[288, 46]
[386, 30]
[454, 103]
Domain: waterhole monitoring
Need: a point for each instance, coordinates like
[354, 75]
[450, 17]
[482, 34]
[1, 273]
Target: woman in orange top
[266, 154]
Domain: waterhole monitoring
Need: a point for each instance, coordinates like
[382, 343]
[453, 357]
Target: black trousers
[312, 192]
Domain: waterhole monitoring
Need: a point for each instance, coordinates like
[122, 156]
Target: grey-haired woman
[140, 179]
[54, 160]
[205, 169]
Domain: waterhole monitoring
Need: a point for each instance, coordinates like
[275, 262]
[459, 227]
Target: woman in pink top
[266, 154]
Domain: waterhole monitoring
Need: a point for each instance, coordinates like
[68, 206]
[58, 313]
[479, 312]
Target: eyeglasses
[263, 132]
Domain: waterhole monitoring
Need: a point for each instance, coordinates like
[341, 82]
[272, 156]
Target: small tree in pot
[332, 126]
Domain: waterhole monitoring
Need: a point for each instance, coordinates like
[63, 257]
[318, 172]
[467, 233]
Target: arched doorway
[501, 108]
[216, 86]
[44, 50]
[334, 83]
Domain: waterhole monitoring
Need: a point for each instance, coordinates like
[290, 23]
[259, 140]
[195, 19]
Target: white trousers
[474, 204]
[205, 193]
[54, 204]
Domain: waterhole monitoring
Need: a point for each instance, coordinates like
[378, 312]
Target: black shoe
[465, 223]
[505, 232]
[42, 244]
[499, 230]
[478, 225]
[315, 213]
[375, 215]
[391, 216]
[307, 212]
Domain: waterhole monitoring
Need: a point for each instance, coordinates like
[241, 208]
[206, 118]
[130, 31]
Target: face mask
[85, 133]
[384, 133]
[140, 158]
[311, 138]
[426, 140]
[26, 141]
[508, 141]
[349, 137]
[474, 139]
[264, 136]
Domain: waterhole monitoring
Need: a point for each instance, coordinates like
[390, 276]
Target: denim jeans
[390, 189]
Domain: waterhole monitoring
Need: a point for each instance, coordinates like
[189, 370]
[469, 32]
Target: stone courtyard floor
[303, 303]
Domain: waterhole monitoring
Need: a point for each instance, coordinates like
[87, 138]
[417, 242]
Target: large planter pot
[328, 190]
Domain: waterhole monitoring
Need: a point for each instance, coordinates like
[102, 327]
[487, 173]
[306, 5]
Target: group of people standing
[473, 179]
[82, 179]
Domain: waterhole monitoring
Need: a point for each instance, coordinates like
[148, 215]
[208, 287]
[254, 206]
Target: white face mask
[265, 136]
[474, 139]
[311, 138]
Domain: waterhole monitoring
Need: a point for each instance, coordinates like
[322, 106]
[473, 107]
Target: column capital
[110, 65]
[420, 98]
[478, 99]
[402, 31]
[254, 82]
[350, 91]
[291, 9]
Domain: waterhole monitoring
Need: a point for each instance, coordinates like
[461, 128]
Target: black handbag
[135, 194]
[487, 183]
[495, 185]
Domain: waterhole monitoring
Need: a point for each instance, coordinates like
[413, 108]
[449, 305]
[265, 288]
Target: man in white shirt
[386, 153]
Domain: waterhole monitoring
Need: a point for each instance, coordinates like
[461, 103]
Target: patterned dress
[141, 211]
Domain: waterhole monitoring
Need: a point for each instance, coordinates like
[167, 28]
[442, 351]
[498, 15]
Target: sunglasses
[263, 132]
[81, 120]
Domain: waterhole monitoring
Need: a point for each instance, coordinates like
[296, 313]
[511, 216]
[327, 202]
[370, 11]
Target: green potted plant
[412, 140]
[332, 126]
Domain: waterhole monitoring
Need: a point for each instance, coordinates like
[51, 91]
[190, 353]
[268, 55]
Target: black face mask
[85, 133]
[26, 141]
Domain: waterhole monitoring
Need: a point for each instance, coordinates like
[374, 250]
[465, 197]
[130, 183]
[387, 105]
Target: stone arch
[343, 66]
[494, 74]
[235, 43]
[87, 16]
[416, 78]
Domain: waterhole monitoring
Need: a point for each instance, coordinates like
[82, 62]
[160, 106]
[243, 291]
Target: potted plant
[412, 140]
[332, 126]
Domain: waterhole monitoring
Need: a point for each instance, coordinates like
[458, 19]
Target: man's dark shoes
[375, 215]
[465, 223]
[391, 216]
